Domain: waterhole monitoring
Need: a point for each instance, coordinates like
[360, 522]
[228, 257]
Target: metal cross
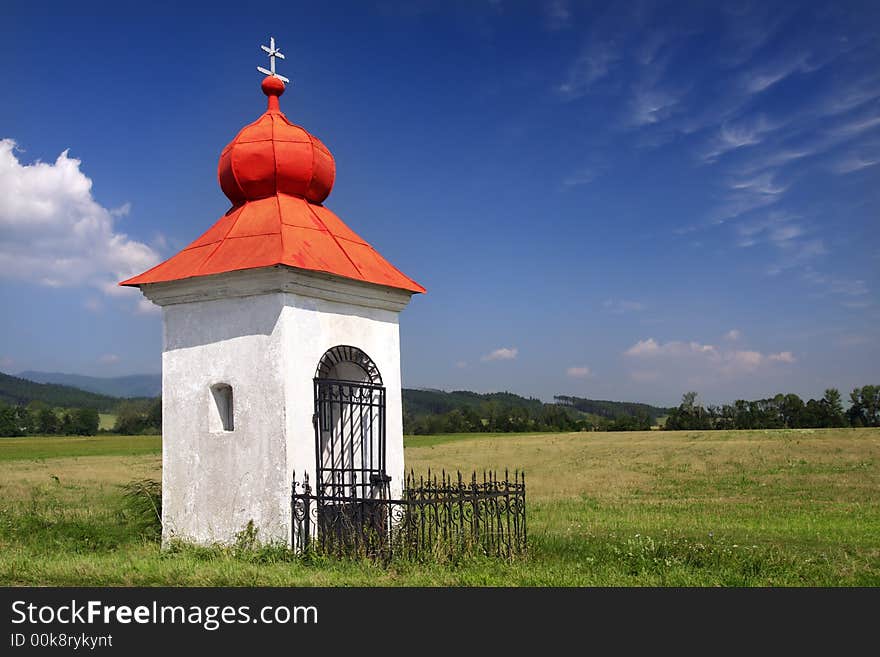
[273, 53]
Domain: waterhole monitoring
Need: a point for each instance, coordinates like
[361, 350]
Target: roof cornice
[278, 278]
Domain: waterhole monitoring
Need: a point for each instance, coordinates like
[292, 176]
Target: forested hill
[612, 409]
[14, 391]
[438, 402]
[135, 385]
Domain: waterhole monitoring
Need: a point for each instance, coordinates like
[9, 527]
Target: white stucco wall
[263, 333]
[311, 327]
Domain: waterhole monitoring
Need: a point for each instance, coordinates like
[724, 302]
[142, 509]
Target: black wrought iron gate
[350, 440]
[352, 478]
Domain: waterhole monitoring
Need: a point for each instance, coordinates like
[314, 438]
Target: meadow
[698, 508]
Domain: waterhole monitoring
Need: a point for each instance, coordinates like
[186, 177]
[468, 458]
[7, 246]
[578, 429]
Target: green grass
[107, 421]
[34, 448]
[738, 508]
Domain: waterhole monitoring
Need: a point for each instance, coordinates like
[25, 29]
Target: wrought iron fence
[437, 517]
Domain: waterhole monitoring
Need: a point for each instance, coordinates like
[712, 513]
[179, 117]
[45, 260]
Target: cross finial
[273, 53]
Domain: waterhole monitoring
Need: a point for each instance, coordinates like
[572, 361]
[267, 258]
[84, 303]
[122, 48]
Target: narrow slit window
[225, 412]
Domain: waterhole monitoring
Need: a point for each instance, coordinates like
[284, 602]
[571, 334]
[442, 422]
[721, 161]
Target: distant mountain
[14, 390]
[136, 385]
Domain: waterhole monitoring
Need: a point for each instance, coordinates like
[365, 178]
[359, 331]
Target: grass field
[106, 421]
[732, 508]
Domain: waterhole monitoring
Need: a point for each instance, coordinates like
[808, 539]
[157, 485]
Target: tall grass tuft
[142, 506]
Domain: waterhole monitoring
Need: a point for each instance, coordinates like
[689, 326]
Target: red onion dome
[273, 156]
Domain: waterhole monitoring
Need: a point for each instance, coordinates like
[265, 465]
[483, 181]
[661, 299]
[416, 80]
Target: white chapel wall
[215, 481]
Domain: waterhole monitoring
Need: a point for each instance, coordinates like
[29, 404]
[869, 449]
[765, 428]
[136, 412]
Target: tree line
[502, 418]
[133, 417]
[37, 418]
[780, 412]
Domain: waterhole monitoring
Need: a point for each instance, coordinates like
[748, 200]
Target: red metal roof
[277, 175]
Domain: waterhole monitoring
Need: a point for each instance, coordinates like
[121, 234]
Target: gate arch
[342, 354]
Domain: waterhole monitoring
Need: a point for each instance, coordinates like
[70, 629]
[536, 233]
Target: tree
[9, 425]
[689, 414]
[47, 422]
[688, 402]
[25, 420]
[791, 408]
[134, 418]
[865, 408]
[67, 424]
[85, 422]
[833, 407]
[154, 415]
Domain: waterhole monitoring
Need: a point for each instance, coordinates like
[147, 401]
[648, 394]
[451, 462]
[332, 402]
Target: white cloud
[692, 359]
[55, 233]
[109, 359]
[502, 353]
[623, 306]
[652, 348]
[147, 307]
[6, 362]
[578, 372]
[733, 335]
[461, 364]
[122, 211]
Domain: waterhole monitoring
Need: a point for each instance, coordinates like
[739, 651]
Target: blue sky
[610, 200]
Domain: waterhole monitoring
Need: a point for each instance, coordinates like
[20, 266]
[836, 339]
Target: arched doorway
[349, 427]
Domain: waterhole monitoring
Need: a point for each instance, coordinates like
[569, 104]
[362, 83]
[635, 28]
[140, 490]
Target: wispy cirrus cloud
[745, 195]
[764, 75]
[583, 176]
[734, 135]
[853, 292]
[557, 15]
[593, 64]
[652, 105]
[856, 126]
[774, 227]
[734, 112]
